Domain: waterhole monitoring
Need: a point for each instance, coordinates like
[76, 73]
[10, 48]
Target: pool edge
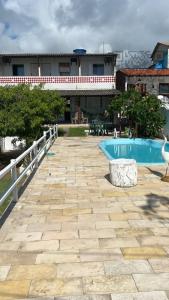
[104, 151]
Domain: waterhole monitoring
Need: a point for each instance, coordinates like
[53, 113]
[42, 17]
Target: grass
[4, 184]
[76, 131]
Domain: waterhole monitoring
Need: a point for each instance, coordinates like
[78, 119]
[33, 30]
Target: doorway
[67, 112]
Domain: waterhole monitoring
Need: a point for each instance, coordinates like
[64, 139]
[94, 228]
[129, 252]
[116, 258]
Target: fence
[32, 155]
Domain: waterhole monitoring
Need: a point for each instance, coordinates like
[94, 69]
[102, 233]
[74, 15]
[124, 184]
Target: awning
[65, 93]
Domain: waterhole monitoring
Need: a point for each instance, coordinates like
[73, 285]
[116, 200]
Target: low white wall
[7, 145]
[63, 82]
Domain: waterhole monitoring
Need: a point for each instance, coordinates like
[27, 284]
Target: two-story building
[86, 81]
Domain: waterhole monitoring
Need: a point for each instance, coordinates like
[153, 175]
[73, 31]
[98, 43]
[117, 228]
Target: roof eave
[88, 92]
[57, 54]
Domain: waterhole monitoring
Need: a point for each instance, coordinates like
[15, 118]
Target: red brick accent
[55, 79]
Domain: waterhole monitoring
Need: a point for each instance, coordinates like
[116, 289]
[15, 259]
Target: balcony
[63, 82]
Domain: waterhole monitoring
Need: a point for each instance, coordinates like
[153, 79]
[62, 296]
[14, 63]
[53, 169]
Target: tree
[24, 111]
[143, 113]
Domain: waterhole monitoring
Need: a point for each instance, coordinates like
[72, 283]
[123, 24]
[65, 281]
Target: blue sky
[62, 25]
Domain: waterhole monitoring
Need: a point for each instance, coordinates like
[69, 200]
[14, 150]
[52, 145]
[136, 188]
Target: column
[80, 73]
[39, 70]
[126, 83]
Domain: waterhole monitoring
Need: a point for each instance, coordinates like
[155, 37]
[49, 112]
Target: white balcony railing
[33, 156]
[63, 82]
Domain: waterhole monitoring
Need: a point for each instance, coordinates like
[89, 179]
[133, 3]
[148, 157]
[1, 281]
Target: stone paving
[73, 236]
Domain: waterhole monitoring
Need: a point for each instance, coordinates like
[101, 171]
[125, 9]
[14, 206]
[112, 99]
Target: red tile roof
[145, 72]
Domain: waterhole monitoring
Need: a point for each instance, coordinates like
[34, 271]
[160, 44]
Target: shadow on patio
[155, 172]
[156, 207]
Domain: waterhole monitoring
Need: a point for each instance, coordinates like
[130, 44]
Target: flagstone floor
[74, 236]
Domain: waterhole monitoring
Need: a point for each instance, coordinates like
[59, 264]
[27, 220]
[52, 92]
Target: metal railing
[34, 154]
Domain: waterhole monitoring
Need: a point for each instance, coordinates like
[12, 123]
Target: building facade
[152, 81]
[86, 81]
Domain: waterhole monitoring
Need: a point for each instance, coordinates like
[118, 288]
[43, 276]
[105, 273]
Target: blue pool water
[144, 151]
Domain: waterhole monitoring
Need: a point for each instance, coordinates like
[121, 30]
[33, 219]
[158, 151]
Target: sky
[95, 25]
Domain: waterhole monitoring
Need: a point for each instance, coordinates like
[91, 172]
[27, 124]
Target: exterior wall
[151, 82]
[6, 68]
[46, 70]
[86, 63]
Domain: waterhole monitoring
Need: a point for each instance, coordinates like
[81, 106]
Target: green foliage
[25, 109]
[143, 113]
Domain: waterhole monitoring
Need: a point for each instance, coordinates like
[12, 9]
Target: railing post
[56, 130]
[50, 134]
[45, 138]
[35, 149]
[31, 158]
[14, 178]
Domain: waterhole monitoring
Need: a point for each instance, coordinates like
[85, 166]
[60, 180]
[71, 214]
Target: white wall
[86, 65]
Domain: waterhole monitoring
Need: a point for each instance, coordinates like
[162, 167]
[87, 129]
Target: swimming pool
[144, 151]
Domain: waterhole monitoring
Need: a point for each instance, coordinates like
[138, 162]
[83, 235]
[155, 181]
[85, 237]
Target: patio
[74, 234]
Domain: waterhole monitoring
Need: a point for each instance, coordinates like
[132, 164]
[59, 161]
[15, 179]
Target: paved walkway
[73, 234]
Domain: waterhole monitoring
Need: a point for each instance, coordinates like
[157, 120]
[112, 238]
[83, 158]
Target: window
[131, 86]
[64, 69]
[18, 70]
[164, 88]
[98, 69]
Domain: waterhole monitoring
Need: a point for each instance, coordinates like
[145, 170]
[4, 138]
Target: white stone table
[123, 172]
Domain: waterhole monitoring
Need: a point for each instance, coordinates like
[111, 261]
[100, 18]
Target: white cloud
[62, 25]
